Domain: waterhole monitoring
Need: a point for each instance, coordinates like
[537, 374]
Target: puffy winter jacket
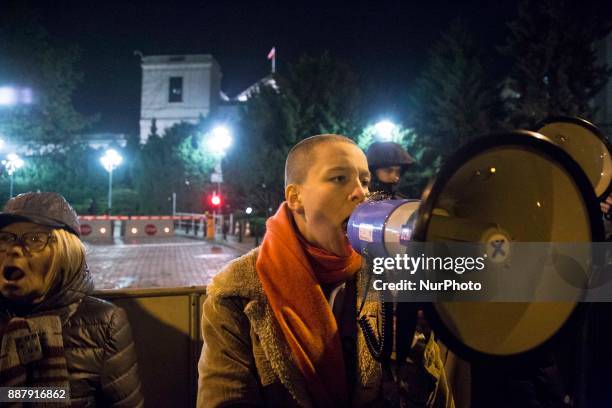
[101, 356]
[98, 345]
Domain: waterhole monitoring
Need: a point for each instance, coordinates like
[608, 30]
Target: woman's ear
[294, 198]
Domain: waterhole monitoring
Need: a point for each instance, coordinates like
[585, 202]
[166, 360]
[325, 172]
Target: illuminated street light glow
[8, 96]
[26, 96]
[248, 210]
[11, 96]
[384, 130]
[220, 139]
[12, 163]
[110, 161]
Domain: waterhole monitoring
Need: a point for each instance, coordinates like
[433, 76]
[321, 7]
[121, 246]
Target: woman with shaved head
[279, 323]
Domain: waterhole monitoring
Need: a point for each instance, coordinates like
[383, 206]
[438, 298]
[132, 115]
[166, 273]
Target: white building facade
[177, 88]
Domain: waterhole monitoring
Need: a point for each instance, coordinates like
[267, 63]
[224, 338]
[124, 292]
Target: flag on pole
[272, 53]
[272, 56]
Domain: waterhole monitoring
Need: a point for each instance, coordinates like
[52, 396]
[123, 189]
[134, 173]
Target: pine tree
[554, 68]
[452, 101]
[318, 95]
[327, 95]
[171, 163]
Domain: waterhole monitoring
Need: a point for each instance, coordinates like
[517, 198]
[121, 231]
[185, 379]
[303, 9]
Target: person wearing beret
[53, 332]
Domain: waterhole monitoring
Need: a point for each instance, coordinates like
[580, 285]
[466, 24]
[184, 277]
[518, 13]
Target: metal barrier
[166, 330]
[149, 226]
[191, 224]
[102, 227]
[99, 228]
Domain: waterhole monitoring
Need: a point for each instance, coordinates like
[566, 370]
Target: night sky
[385, 42]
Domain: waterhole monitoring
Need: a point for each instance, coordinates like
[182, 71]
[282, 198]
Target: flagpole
[272, 57]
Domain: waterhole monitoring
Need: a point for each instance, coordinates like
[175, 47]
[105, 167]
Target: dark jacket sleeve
[227, 372]
[119, 380]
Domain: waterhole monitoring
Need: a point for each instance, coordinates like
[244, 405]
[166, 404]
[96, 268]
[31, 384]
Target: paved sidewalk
[159, 262]
[243, 247]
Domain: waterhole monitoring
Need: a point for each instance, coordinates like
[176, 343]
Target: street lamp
[110, 161]
[11, 96]
[384, 130]
[219, 140]
[12, 164]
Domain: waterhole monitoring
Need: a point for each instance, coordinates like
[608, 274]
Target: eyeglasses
[31, 241]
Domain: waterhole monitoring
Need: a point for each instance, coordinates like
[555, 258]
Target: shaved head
[301, 156]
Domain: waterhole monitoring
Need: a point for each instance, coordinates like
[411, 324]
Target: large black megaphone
[518, 186]
[586, 144]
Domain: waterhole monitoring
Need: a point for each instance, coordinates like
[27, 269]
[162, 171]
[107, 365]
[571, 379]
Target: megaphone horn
[586, 144]
[516, 186]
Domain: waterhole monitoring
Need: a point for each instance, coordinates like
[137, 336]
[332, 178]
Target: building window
[175, 93]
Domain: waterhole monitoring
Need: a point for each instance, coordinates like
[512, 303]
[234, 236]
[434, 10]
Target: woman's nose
[15, 249]
[359, 193]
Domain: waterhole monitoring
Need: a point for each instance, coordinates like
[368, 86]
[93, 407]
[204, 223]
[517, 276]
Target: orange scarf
[291, 272]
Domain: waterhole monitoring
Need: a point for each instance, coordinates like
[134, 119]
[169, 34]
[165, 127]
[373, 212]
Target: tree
[326, 92]
[266, 132]
[173, 163]
[64, 172]
[30, 59]
[452, 102]
[318, 95]
[554, 68]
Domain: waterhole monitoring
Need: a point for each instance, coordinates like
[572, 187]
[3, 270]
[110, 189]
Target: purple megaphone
[382, 228]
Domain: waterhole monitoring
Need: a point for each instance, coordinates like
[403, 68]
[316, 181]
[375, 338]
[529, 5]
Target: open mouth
[12, 273]
[345, 225]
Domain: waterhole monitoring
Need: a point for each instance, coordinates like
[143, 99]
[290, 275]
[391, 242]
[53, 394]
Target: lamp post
[219, 140]
[110, 161]
[12, 163]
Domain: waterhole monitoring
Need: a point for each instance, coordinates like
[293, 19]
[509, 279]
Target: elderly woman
[54, 334]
